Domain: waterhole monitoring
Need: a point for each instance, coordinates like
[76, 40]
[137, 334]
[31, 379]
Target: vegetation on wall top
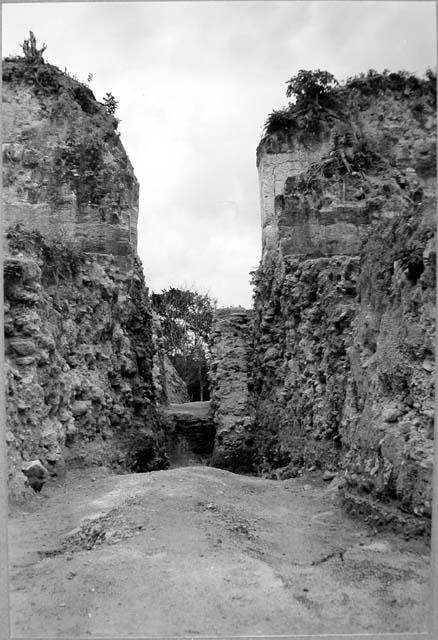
[33, 69]
[318, 100]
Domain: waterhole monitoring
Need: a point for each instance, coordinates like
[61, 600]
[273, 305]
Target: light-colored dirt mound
[201, 551]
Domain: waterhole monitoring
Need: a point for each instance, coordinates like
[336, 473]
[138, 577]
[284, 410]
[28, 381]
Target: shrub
[110, 103]
[311, 87]
[318, 99]
[315, 103]
[279, 120]
[30, 50]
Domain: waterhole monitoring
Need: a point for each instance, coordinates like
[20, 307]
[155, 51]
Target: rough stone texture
[65, 171]
[343, 346]
[338, 367]
[387, 428]
[278, 160]
[304, 310]
[79, 349]
[36, 474]
[79, 386]
[231, 398]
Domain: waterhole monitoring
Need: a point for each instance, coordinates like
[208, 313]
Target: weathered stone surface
[36, 474]
[305, 308]
[231, 400]
[97, 364]
[65, 171]
[345, 311]
[79, 349]
[341, 352]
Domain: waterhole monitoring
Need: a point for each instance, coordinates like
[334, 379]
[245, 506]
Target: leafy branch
[110, 103]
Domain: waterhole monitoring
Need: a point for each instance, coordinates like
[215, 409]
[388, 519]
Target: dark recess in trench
[143, 455]
[190, 441]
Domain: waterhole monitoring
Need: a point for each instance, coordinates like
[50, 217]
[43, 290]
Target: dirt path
[199, 551]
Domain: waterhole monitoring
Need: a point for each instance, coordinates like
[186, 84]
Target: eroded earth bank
[299, 499]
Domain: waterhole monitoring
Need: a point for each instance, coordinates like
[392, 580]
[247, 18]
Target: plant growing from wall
[318, 100]
[30, 50]
[110, 103]
[314, 103]
[374, 82]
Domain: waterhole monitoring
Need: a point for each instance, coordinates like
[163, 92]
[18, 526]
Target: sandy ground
[197, 551]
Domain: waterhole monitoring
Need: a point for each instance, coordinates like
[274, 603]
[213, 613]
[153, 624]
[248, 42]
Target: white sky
[195, 82]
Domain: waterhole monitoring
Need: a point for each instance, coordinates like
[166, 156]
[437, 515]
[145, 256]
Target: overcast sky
[195, 82]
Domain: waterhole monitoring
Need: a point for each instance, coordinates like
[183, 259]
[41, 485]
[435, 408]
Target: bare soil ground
[197, 551]
[200, 409]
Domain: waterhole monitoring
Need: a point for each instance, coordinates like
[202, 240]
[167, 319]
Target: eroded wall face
[78, 334]
[65, 171]
[291, 223]
[387, 429]
[304, 310]
[78, 367]
[232, 402]
[343, 345]
[339, 362]
[280, 161]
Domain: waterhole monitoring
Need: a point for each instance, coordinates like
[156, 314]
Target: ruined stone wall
[279, 159]
[387, 428]
[339, 361]
[232, 403]
[343, 345]
[65, 171]
[79, 351]
[303, 313]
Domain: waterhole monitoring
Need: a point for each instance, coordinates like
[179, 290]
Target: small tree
[30, 50]
[315, 101]
[311, 86]
[186, 318]
[110, 103]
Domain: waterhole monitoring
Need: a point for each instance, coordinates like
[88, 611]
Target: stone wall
[343, 344]
[280, 158]
[304, 310]
[387, 428]
[79, 354]
[339, 362]
[65, 171]
[79, 351]
[230, 387]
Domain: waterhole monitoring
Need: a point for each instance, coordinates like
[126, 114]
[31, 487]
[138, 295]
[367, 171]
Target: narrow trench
[190, 433]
